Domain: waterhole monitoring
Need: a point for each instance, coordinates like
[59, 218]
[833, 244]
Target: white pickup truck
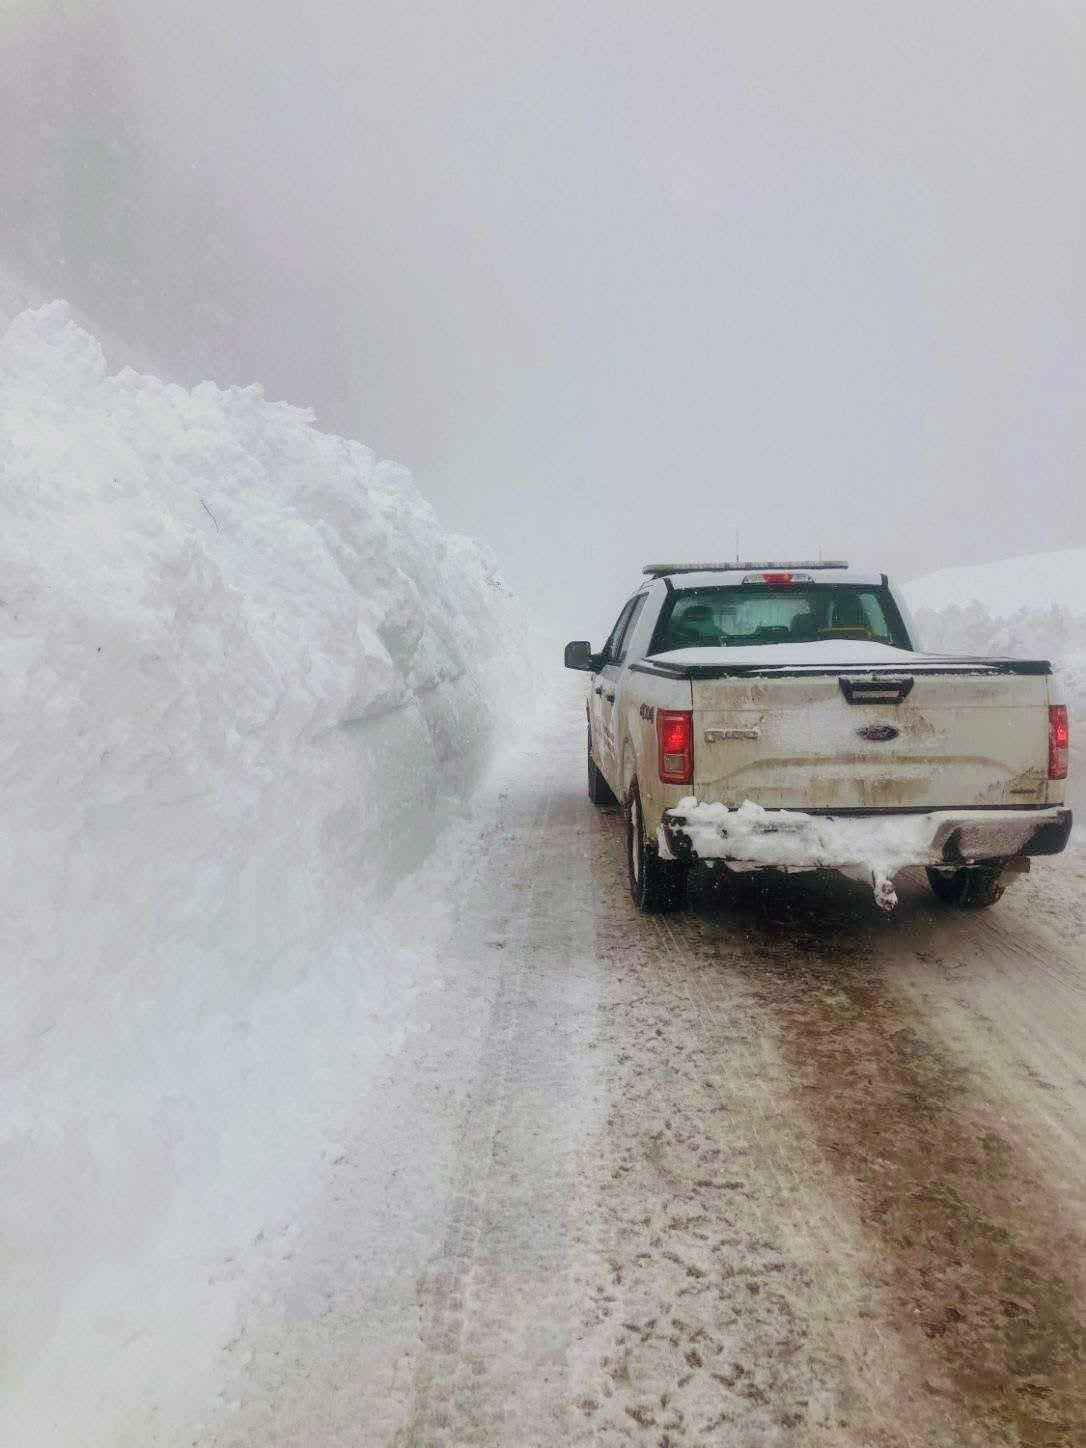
[777, 716]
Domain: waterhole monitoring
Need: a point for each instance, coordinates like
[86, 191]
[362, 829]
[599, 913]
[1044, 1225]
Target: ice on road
[778, 1171]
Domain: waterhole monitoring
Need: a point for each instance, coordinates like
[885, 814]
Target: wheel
[599, 791]
[970, 887]
[657, 886]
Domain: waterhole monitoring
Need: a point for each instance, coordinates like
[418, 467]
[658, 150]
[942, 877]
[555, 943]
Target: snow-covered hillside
[1029, 607]
[1034, 582]
[243, 676]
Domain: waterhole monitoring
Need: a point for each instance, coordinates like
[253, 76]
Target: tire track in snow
[981, 1285]
[500, 1302]
[703, 1327]
[795, 1212]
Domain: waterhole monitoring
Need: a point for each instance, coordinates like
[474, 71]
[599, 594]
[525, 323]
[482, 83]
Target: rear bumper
[750, 838]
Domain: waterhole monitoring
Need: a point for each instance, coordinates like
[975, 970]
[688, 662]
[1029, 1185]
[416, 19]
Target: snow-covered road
[778, 1171]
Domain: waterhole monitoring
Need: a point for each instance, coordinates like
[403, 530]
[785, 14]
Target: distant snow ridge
[1035, 581]
[1029, 607]
[241, 667]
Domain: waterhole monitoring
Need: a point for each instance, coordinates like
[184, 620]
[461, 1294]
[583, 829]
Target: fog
[615, 281]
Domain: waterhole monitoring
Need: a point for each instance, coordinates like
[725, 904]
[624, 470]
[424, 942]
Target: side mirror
[579, 656]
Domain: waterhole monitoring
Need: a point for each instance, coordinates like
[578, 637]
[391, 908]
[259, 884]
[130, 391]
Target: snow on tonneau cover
[806, 726]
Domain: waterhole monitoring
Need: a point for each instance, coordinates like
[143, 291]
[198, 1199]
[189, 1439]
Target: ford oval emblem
[880, 733]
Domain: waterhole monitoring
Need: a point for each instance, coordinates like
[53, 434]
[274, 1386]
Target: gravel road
[779, 1170]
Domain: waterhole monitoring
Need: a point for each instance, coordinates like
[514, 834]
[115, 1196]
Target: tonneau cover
[825, 656]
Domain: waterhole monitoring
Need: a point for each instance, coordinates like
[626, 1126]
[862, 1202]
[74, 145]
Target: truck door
[603, 692]
[607, 692]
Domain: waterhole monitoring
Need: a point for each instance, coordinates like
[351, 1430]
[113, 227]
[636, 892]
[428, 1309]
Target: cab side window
[611, 647]
[634, 614]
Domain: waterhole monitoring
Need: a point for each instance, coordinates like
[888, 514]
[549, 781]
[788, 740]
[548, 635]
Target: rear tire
[599, 791]
[657, 886]
[971, 887]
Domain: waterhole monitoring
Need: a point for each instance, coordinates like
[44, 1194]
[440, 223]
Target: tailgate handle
[889, 689]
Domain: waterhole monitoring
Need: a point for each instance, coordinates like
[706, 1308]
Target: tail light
[675, 734]
[1059, 741]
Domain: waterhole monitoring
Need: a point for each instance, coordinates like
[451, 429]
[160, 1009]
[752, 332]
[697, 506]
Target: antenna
[737, 545]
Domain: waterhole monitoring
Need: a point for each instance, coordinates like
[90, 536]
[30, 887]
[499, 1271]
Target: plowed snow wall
[242, 672]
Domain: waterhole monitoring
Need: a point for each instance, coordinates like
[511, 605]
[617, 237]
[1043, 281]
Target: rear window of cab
[762, 614]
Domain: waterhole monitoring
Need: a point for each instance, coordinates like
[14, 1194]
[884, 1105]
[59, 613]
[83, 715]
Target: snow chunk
[877, 845]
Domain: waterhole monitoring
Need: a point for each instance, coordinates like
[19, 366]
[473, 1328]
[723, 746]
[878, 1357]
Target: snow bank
[242, 672]
[1030, 607]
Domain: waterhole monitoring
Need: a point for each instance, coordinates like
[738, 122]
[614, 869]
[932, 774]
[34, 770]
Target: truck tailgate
[841, 739]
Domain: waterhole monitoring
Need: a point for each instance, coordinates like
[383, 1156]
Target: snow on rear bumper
[752, 837]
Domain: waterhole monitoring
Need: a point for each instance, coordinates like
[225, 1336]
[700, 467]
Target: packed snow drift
[1030, 607]
[244, 675]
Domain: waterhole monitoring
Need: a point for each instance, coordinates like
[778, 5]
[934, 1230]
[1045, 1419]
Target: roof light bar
[658, 570]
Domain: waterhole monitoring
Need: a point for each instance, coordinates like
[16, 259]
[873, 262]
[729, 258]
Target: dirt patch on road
[976, 1255]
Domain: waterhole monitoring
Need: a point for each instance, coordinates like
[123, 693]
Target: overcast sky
[621, 279]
